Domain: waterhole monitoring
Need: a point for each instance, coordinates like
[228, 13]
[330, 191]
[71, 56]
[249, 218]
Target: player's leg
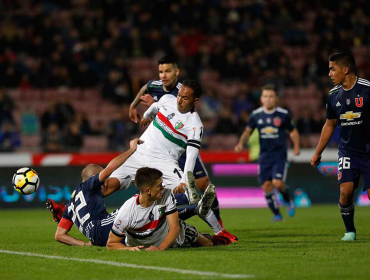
[55, 209]
[348, 179]
[347, 210]
[279, 173]
[264, 176]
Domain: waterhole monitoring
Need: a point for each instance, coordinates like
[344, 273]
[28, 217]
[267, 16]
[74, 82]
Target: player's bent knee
[279, 184]
[267, 186]
[202, 183]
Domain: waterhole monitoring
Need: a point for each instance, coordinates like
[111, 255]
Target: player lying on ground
[86, 208]
[272, 123]
[150, 219]
[348, 106]
[176, 127]
[153, 91]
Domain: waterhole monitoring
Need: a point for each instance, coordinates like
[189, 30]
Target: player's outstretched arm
[119, 160]
[61, 235]
[326, 133]
[294, 135]
[115, 243]
[134, 116]
[243, 139]
[173, 233]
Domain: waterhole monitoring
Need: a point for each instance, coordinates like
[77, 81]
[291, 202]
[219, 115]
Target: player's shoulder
[130, 203]
[335, 89]
[167, 98]
[282, 111]
[257, 111]
[155, 83]
[364, 83]
[195, 119]
[167, 195]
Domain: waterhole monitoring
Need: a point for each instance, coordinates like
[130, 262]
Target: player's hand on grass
[88, 243]
[145, 122]
[134, 143]
[180, 188]
[137, 248]
[296, 151]
[152, 248]
[238, 148]
[147, 100]
[133, 114]
[315, 160]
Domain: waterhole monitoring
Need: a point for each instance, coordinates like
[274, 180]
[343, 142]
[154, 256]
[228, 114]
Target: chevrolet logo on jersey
[269, 130]
[350, 115]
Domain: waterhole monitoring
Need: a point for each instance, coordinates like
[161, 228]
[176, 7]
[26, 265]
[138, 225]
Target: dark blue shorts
[350, 168]
[199, 168]
[103, 229]
[272, 170]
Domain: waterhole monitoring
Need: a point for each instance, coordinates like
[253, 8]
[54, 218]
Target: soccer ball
[26, 180]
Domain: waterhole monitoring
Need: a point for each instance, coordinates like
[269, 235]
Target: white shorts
[172, 173]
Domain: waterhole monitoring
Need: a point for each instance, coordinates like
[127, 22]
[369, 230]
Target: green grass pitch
[307, 246]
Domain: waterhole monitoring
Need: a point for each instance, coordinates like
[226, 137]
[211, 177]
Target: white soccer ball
[26, 180]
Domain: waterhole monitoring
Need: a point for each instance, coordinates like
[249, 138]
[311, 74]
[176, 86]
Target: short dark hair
[168, 60]
[146, 177]
[345, 59]
[195, 86]
[268, 87]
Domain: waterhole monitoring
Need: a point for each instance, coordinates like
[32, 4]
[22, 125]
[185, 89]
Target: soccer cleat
[204, 205]
[290, 208]
[277, 218]
[220, 240]
[55, 209]
[191, 190]
[349, 236]
[228, 235]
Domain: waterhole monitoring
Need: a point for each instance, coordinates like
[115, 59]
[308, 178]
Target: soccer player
[150, 219]
[86, 208]
[348, 106]
[272, 123]
[152, 92]
[176, 127]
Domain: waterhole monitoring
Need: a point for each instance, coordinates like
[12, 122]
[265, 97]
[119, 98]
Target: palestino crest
[277, 121]
[179, 125]
[359, 101]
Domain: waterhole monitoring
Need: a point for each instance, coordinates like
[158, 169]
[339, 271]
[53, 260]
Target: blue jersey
[86, 209]
[155, 89]
[351, 108]
[272, 132]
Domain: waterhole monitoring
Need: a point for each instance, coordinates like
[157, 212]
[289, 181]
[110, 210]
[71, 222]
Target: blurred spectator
[9, 138]
[226, 123]
[6, 107]
[29, 122]
[73, 140]
[52, 139]
[121, 130]
[51, 116]
[64, 109]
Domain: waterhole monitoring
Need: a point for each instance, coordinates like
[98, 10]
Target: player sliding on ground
[272, 123]
[86, 208]
[150, 219]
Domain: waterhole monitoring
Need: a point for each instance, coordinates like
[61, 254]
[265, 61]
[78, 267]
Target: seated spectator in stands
[120, 130]
[6, 107]
[83, 123]
[64, 108]
[9, 138]
[52, 140]
[51, 116]
[73, 140]
[116, 88]
[29, 122]
[226, 123]
[305, 126]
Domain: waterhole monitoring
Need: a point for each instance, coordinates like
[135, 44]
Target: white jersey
[171, 131]
[146, 226]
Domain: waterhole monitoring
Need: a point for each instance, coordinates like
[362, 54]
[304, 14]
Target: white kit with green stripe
[171, 131]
